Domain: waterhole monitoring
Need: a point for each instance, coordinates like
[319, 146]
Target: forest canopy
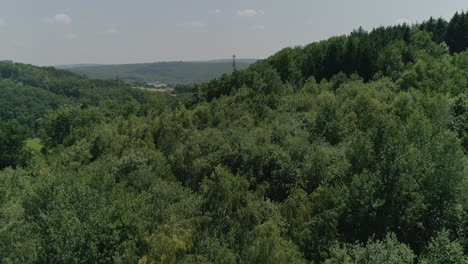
[349, 150]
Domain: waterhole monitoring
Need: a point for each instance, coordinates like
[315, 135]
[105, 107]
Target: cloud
[403, 21]
[3, 23]
[110, 32]
[192, 24]
[257, 27]
[218, 11]
[60, 19]
[246, 13]
[71, 36]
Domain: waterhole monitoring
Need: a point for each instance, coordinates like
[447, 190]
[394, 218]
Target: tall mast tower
[234, 69]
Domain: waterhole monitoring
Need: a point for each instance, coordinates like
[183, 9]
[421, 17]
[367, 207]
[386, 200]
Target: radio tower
[234, 63]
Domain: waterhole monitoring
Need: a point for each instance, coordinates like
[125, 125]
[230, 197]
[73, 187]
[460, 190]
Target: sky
[54, 32]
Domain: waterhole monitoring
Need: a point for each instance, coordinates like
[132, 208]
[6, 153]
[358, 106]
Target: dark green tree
[12, 152]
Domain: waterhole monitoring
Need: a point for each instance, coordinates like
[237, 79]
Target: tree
[386, 251]
[457, 32]
[68, 124]
[443, 250]
[12, 136]
[391, 60]
[438, 28]
[268, 247]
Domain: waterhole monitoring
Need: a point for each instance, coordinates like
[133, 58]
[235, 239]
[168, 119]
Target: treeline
[64, 83]
[300, 158]
[27, 92]
[361, 52]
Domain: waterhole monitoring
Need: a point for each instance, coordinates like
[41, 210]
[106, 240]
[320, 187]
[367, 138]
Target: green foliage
[28, 93]
[34, 144]
[183, 88]
[460, 122]
[456, 32]
[320, 154]
[442, 249]
[26, 104]
[392, 59]
[387, 251]
[12, 136]
[269, 247]
[68, 124]
[19, 241]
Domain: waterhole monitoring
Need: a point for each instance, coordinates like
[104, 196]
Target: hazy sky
[50, 32]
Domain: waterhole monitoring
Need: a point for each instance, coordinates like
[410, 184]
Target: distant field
[166, 72]
[159, 90]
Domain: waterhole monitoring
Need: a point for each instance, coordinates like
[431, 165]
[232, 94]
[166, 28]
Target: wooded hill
[167, 72]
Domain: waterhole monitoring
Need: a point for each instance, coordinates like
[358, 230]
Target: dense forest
[349, 150]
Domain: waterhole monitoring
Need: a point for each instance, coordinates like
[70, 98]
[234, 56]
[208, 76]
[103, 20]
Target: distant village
[156, 85]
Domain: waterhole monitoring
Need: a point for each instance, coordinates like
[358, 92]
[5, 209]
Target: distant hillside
[167, 72]
[246, 61]
[71, 66]
[28, 93]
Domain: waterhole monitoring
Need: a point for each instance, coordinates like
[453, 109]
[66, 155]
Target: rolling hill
[167, 72]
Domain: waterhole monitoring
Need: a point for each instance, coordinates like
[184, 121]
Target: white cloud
[3, 23]
[257, 27]
[71, 36]
[60, 19]
[403, 21]
[192, 24]
[261, 12]
[246, 13]
[110, 32]
[218, 11]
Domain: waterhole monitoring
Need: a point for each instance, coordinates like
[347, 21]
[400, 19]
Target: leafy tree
[269, 247]
[442, 249]
[12, 152]
[68, 124]
[388, 250]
